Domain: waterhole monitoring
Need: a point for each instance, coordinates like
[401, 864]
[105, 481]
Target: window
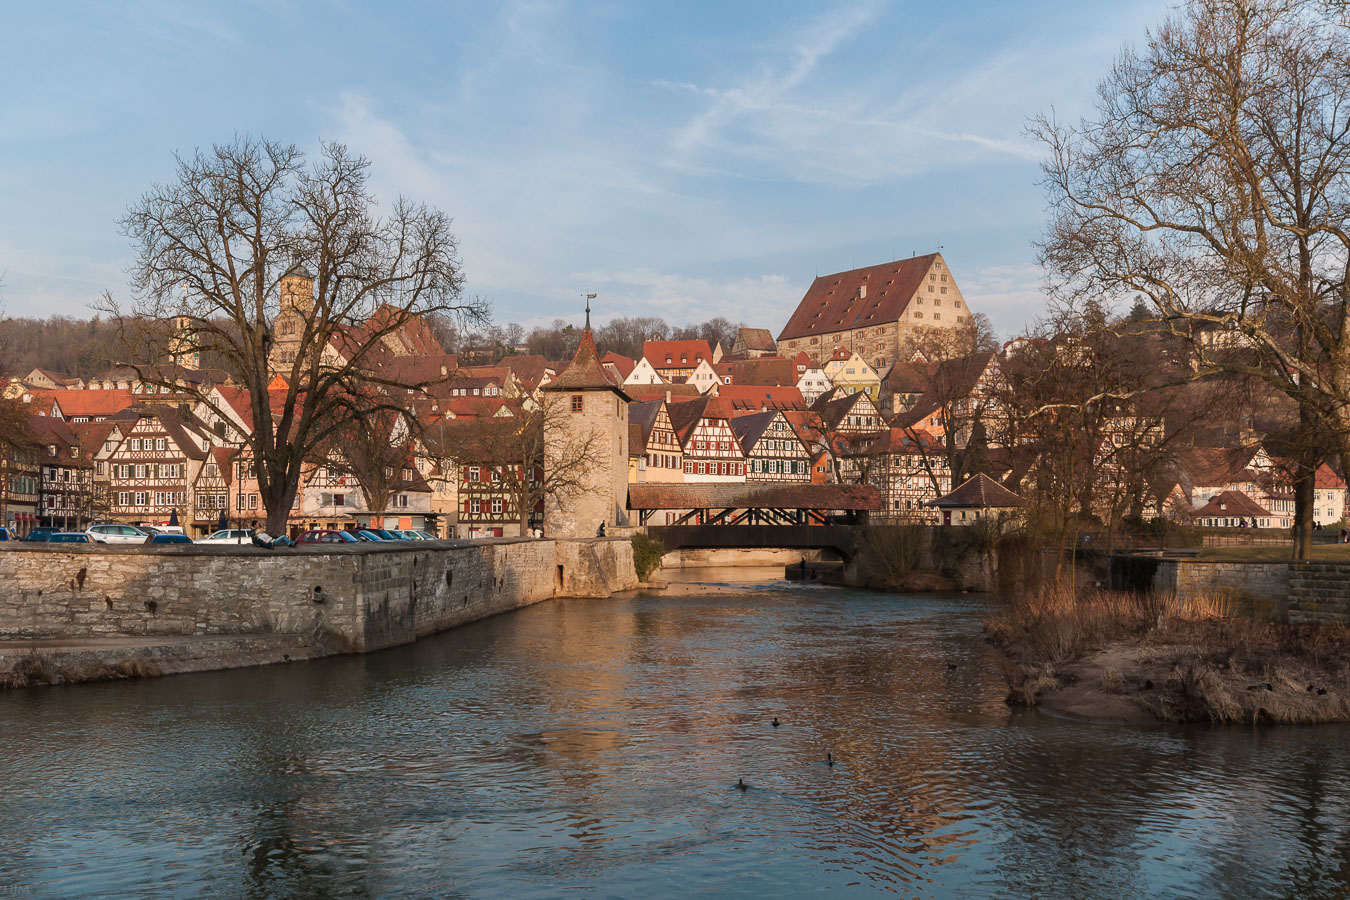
[937, 316]
[51, 449]
[496, 506]
[253, 500]
[930, 289]
[98, 468]
[475, 506]
[576, 403]
[403, 501]
[160, 443]
[688, 467]
[474, 474]
[123, 498]
[407, 474]
[140, 498]
[388, 471]
[134, 444]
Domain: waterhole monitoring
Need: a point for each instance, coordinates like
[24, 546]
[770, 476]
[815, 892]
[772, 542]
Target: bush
[647, 555]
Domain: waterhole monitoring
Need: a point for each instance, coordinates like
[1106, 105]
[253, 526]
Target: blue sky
[680, 159]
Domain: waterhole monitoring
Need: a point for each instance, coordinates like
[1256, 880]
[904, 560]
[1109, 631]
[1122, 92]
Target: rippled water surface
[594, 745]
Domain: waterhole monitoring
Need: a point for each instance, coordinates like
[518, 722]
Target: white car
[229, 536]
[116, 534]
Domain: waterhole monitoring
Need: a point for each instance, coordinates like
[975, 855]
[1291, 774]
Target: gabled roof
[622, 364]
[832, 302]
[771, 370]
[749, 429]
[87, 402]
[644, 414]
[686, 415]
[1212, 467]
[760, 339]
[911, 440]
[527, 370]
[1231, 503]
[659, 391]
[980, 492]
[655, 352]
[739, 399]
[833, 411]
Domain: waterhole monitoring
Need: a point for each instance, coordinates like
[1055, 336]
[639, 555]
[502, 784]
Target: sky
[686, 160]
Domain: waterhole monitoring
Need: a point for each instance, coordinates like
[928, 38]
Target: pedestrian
[600, 532]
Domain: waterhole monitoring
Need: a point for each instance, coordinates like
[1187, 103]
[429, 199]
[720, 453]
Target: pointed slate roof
[585, 373]
[980, 492]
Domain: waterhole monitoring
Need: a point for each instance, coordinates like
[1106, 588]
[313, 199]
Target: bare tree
[375, 448]
[215, 245]
[510, 453]
[949, 366]
[1214, 181]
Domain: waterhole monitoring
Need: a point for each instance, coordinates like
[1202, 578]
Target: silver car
[229, 536]
[116, 534]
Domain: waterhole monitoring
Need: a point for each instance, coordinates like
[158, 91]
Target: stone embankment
[173, 609]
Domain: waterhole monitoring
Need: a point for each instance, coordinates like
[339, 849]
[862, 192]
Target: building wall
[347, 600]
[604, 498]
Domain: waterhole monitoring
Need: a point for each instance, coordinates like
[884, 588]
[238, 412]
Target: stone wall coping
[248, 550]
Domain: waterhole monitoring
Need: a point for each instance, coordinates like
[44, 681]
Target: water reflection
[595, 745]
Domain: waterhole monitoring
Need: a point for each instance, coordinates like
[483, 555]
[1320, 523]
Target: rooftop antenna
[589, 298]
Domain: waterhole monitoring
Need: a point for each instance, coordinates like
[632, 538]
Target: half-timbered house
[662, 459]
[772, 449]
[711, 450]
[153, 468]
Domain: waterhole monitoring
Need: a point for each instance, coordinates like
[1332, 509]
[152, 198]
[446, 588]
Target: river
[593, 747]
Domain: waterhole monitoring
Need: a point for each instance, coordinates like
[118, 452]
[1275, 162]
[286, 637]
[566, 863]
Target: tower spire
[589, 298]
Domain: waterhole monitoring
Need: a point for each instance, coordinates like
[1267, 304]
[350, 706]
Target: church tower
[297, 305]
[587, 401]
[184, 351]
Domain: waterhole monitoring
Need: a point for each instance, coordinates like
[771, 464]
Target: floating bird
[829, 760]
[1263, 686]
[1148, 684]
[776, 723]
[741, 785]
[1311, 688]
[1321, 692]
[951, 667]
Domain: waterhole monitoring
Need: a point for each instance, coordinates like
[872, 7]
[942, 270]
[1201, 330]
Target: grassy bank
[1103, 654]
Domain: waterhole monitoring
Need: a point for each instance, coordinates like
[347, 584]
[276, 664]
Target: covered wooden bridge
[749, 515]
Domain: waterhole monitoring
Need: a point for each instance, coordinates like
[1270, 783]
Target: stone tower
[183, 349]
[297, 305]
[588, 401]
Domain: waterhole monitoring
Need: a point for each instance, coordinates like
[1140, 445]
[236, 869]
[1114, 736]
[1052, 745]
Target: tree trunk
[1305, 487]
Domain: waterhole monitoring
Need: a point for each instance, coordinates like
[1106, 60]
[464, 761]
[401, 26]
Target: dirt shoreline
[1143, 683]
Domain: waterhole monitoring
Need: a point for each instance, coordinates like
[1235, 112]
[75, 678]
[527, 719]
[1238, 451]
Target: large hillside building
[872, 311]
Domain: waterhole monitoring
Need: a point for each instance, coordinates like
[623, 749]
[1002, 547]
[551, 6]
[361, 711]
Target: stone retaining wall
[350, 599]
[1319, 593]
[1310, 591]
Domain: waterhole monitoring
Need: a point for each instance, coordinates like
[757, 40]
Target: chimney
[667, 396]
[862, 292]
[444, 371]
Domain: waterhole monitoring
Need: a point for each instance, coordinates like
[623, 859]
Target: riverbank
[1123, 657]
[72, 613]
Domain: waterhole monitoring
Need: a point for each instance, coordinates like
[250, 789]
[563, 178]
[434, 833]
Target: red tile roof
[832, 304]
[622, 364]
[980, 492]
[740, 399]
[682, 354]
[1232, 503]
[87, 402]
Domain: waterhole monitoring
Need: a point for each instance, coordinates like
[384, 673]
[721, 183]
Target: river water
[593, 747]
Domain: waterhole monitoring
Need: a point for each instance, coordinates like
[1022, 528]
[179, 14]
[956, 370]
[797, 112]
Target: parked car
[386, 534]
[427, 535]
[169, 539]
[409, 535]
[116, 534]
[229, 536]
[325, 536]
[69, 537]
[366, 535]
[5, 535]
[42, 534]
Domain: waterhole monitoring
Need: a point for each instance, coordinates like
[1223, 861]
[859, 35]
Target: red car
[322, 536]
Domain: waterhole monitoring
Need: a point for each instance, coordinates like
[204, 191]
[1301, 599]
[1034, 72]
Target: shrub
[647, 555]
